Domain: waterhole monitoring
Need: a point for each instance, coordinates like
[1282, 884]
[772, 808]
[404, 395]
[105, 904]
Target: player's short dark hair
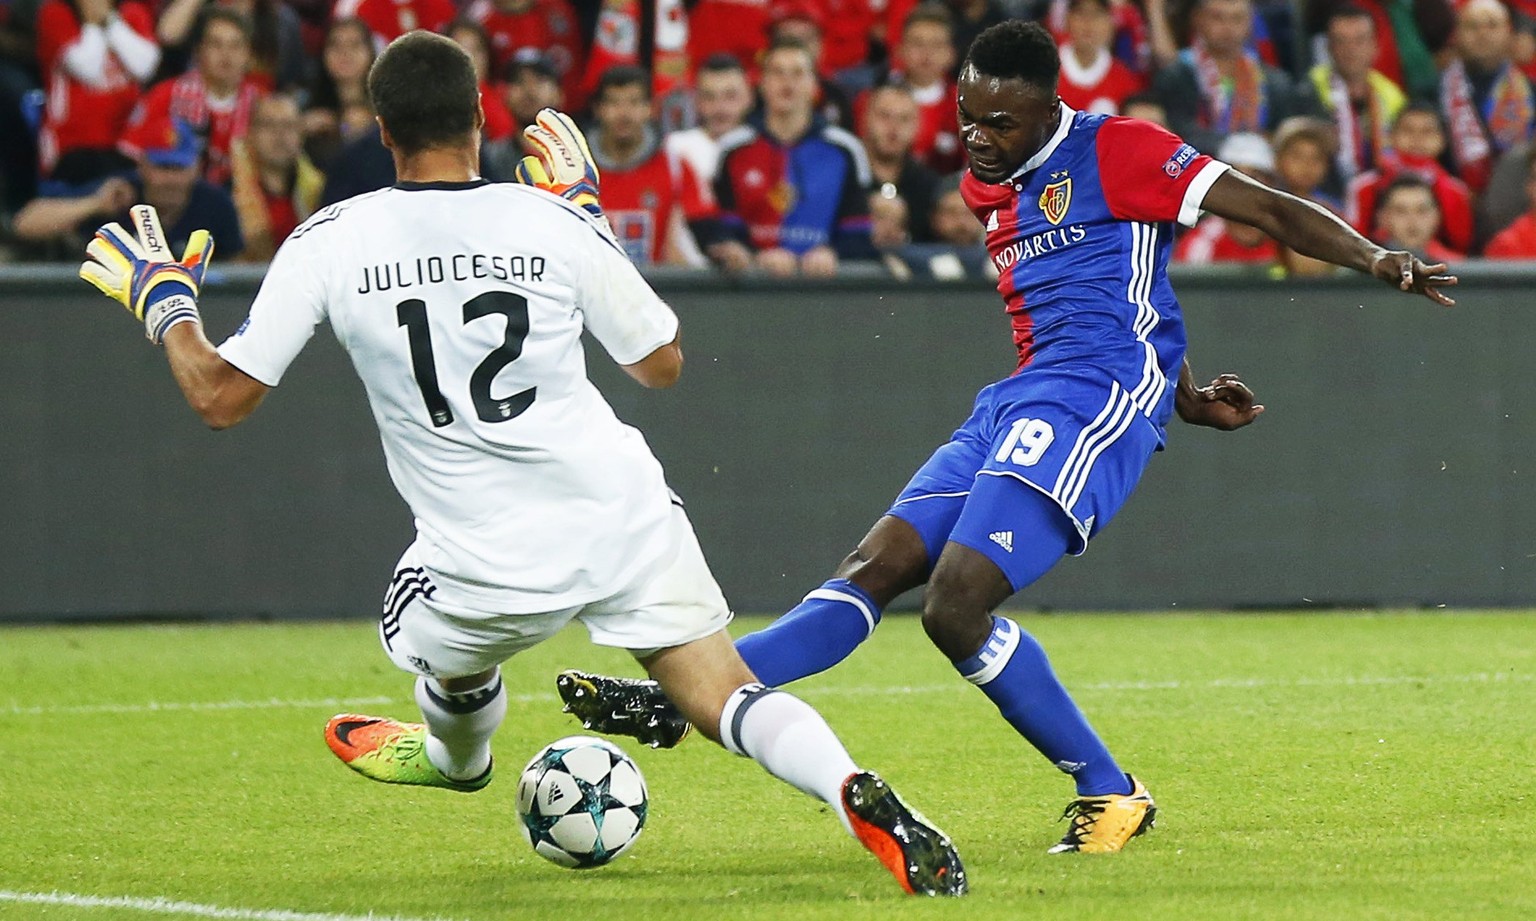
[722, 62]
[1406, 181]
[1101, 4]
[621, 75]
[224, 14]
[424, 90]
[1017, 50]
[932, 12]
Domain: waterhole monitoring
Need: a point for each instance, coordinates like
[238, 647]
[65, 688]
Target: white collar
[1033, 163]
[1078, 75]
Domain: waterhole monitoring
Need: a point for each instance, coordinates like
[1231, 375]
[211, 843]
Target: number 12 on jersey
[412, 315]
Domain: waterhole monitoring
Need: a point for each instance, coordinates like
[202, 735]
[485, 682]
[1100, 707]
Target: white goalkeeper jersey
[462, 306]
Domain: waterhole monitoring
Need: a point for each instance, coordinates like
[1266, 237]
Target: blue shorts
[1073, 435]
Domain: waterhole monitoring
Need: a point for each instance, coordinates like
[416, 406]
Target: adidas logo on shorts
[1003, 539]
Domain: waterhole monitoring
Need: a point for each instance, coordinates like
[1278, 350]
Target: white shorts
[675, 603]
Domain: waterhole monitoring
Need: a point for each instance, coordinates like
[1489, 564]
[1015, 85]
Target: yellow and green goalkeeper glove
[563, 164]
[139, 273]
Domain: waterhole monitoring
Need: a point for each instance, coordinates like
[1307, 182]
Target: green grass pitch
[1327, 767]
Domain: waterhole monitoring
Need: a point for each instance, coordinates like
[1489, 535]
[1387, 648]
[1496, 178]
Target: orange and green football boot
[389, 751]
[1103, 824]
[917, 854]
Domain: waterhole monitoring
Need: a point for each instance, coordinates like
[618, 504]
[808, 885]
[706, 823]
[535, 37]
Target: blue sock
[820, 632]
[1012, 670]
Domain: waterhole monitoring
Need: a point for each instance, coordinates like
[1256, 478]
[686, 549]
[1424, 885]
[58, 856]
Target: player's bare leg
[1011, 668]
[713, 688]
[451, 749]
[818, 633]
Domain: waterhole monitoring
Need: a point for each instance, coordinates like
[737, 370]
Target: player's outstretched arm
[1226, 403]
[1315, 231]
[138, 272]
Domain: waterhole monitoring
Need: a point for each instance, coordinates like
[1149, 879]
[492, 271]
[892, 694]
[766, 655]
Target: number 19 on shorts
[1026, 442]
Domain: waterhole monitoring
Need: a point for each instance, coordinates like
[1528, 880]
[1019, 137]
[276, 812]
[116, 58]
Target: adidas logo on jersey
[1003, 539]
[992, 222]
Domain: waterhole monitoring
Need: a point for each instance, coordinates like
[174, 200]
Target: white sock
[790, 740]
[460, 725]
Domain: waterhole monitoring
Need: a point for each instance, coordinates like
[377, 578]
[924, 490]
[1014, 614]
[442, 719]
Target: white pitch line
[955, 687]
[159, 906]
[155, 706]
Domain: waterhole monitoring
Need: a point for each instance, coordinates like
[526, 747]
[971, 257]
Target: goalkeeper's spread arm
[139, 273]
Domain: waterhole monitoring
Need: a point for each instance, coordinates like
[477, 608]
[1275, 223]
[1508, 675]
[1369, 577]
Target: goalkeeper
[534, 505]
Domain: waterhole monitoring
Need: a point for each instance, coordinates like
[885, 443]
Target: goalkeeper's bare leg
[714, 689]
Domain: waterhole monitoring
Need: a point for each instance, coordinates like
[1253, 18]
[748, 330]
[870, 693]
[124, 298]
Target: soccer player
[462, 305]
[1078, 211]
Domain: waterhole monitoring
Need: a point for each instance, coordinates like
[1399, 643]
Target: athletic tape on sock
[994, 655]
[734, 711]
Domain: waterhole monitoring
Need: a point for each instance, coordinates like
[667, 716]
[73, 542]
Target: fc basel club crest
[1055, 200]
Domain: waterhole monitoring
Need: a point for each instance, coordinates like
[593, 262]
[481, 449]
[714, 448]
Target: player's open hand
[562, 163]
[138, 271]
[1226, 403]
[1410, 273]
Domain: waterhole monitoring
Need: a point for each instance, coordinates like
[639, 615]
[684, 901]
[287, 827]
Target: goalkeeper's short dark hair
[425, 92]
[1017, 50]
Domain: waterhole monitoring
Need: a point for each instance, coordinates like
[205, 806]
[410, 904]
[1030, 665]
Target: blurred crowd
[789, 136]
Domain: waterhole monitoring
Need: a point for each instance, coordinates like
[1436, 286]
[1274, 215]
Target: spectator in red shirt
[1518, 240]
[926, 56]
[1092, 78]
[1408, 218]
[647, 195]
[1217, 240]
[471, 36]
[340, 110]
[390, 19]
[275, 185]
[93, 55]
[544, 27]
[1417, 142]
[215, 97]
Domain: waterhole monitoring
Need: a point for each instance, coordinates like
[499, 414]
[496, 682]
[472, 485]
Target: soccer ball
[581, 802]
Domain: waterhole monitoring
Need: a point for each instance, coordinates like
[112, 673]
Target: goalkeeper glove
[139, 273]
[563, 164]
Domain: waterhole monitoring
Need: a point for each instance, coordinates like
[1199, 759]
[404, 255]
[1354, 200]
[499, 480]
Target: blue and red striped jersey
[1081, 236]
